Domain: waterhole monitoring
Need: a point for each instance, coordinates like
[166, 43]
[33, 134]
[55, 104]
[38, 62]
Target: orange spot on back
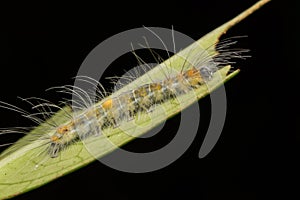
[193, 76]
[155, 86]
[54, 138]
[64, 129]
[141, 92]
[107, 104]
[192, 72]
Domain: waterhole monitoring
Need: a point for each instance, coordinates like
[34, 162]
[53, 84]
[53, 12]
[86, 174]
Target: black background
[44, 45]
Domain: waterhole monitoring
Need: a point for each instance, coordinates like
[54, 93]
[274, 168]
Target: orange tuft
[54, 138]
[143, 92]
[63, 129]
[155, 86]
[191, 72]
[107, 104]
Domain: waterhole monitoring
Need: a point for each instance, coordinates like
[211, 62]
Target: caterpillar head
[206, 72]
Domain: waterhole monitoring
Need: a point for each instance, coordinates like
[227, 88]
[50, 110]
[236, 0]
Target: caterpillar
[113, 111]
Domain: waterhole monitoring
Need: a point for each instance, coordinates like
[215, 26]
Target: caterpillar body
[113, 111]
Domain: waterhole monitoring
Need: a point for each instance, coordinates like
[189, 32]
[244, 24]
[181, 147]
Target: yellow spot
[54, 138]
[142, 92]
[64, 129]
[155, 86]
[192, 72]
[193, 76]
[107, 104]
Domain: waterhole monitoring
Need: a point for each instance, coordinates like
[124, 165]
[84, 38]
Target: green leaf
[18, 164]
